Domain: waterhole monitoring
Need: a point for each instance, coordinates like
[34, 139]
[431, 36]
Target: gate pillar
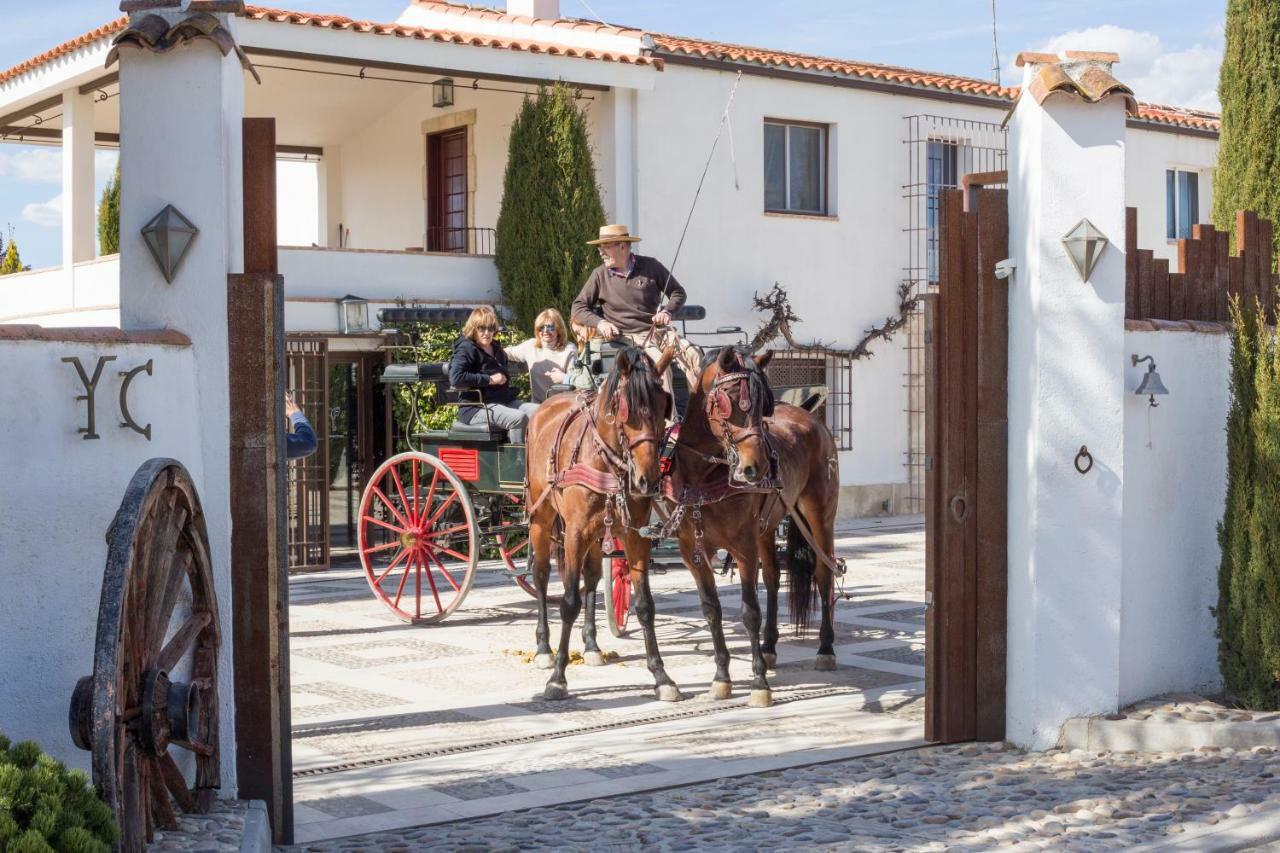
[1066, 394]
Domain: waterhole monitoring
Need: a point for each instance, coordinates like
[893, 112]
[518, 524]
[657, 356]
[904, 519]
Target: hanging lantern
[442, 92]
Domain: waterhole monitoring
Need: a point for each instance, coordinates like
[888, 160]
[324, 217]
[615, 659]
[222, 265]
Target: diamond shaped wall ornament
[1084, 245]
[169, 235]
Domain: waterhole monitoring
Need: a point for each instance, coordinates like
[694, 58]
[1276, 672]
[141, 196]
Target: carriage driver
[623, 298]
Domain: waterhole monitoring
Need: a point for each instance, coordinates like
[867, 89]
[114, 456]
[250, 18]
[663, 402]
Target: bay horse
[593, 461]
[743, 463]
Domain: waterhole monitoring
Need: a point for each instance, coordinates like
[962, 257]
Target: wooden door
[307, 373]
[966, 425]
[447, 191]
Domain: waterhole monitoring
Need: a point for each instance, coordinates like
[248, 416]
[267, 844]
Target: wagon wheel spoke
[160, 805]
[444, 571]
[386, 502]
[452, 553]
[175, 782]
[180, 643]
[395, 543]
[404, 501]
[438, 533]
[133, 821]
[413, 467]
[198, 747]
[434, 592]
[168, 598]
[381, 523]
[431, 491]
[392, 567]
[405, 577]
[453, 496]
[162, 581]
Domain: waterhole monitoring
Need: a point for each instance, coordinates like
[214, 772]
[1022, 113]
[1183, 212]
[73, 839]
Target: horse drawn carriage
[430, 516]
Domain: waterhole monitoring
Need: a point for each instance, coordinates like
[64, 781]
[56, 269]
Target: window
[795, 168]
[941, 166]
[1182, 202]
[792, 371]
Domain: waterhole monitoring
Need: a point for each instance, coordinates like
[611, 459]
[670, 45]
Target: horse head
[736, 400]
[632, 411]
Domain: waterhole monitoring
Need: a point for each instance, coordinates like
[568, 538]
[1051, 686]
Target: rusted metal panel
[932, 536]
[992, 421]
[1189, 264]
[259, 168]
[1221, 282]
[1131, 263]
[1178, 296]
[1146, 286]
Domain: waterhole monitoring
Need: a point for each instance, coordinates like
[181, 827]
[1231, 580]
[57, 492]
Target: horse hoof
[720, 690]
[556, 691]
[543, 661]
[668, 693]
[760, 699]
[593, 658]
[770, 660]
[825, 663]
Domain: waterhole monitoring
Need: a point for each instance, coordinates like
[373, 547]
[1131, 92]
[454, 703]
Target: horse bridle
[719, 410]
[618, 413]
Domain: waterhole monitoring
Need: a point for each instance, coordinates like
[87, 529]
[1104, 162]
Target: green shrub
[11, 261]
[109, 215]
[44, 806]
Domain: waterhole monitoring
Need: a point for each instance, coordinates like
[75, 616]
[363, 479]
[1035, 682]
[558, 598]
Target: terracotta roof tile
[102, 32]
[489, 14]
[1088, 79]
[1180, 116]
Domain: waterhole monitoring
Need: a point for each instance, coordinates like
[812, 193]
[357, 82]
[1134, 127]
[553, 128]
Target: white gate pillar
[1066, 392]
[180, 144]
[77, 180]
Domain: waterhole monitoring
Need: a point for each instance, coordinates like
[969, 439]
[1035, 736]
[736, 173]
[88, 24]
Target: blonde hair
[550, 315]
[481, 316]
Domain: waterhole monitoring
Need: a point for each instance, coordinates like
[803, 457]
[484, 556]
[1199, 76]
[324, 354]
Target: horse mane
[642, 390]
[758, 388]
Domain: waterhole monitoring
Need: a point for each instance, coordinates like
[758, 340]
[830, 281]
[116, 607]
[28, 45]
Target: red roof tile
[486, 13]
[102, 32]
[1180, 116]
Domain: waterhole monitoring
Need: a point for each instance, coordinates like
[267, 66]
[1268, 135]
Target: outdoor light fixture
[442, 92]
[1085, 244]
[353, 314]
[168, 236]
[1151, 384]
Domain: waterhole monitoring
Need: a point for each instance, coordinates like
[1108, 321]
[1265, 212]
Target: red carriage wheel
[617, 593]
[419, 544]
[514, 548]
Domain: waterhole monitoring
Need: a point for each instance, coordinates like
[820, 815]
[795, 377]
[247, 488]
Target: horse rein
[719, 410]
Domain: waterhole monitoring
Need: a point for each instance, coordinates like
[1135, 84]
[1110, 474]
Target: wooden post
[260, 592]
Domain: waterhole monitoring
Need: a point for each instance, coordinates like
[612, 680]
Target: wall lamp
[1151, 384]
[353, 315]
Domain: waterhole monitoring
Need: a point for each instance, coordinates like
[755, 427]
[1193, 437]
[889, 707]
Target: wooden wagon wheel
[419, 541]
[155, 671]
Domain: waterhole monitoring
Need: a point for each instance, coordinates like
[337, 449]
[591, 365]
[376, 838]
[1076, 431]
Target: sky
[1169, 51]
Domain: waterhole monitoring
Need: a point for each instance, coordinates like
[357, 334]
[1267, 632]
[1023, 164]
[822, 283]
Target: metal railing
[466, 241]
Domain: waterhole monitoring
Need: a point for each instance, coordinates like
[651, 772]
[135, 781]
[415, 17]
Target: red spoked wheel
[514, 547]
[617, 592]
[419, 543]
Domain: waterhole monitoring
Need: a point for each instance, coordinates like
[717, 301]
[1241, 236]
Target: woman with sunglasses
[549, 353]
[479, 362]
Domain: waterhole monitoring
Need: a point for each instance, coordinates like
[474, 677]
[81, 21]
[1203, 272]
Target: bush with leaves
[11, 261]
[434, 342]
[46, 807]
[109, 215]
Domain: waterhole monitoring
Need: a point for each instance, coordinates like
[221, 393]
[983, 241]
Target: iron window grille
[795, 167]
[832, 368]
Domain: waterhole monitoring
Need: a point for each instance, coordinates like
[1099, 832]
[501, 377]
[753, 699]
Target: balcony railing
[469, 241]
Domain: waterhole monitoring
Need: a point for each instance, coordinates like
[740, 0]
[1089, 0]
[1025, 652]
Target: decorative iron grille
[307, 377]
[831, 368]
[940, 152]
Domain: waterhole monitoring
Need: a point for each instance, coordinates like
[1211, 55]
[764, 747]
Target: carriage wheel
[617, 594]
[514, 547]
[155, 666]
[419, 543]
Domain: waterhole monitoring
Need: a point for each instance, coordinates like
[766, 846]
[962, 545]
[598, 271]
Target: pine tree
[109, 216]
[1234, 529]
[12, 261]
[550, 207]
[1248, 174]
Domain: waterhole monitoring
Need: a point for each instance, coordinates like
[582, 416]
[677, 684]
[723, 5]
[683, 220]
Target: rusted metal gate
[307, 377]
[966, 472]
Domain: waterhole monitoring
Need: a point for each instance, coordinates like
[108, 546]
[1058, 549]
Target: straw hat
[614, 234]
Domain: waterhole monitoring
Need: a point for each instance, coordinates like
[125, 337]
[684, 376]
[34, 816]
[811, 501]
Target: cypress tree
[109, 215]
[1248, 174]
[550, 207]
[1234, 529]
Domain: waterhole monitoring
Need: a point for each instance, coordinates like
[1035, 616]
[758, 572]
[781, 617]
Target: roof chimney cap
[1030, 57]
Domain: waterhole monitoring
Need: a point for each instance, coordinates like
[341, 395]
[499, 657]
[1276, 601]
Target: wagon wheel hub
[409, 540]
[170, 712]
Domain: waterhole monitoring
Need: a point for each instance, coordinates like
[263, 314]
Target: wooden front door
[447, 191]
[966, 466]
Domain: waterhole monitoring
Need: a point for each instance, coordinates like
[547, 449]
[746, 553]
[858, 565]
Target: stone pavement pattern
[970, 797]
[398, 725]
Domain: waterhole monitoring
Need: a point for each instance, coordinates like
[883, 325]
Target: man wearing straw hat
[623, 299]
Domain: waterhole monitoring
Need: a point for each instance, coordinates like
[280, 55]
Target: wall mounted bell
[1151, 385]
[169, 235]
[1084, 245]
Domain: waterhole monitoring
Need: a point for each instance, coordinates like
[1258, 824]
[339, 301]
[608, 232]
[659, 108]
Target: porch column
[180, 129]
[330, 201]
[77, 179]
[618, 160]
[1066, 392]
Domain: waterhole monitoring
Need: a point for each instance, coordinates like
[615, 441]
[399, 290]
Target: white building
[830, 188]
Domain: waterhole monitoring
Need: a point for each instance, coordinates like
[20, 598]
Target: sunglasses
[549, 327]
[486, 330]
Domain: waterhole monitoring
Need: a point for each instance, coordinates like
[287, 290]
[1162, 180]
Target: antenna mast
[995, 48]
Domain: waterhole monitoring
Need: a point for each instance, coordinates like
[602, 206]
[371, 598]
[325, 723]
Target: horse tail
[802, 566]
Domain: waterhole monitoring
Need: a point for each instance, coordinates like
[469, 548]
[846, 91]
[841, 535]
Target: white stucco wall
[58, 495]
[33, 297]
[1147, 155]
[1173, 497]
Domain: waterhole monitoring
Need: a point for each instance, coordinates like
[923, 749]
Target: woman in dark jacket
[479, 362]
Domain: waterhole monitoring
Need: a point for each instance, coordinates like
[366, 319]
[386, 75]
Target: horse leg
[540, 555]
[761, 696]
[820, 527]
[664, 688]
[769, 567]
[557, 687]
[591, 655]
[704, 577]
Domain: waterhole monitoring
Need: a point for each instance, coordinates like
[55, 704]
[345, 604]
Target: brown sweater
[628, 303]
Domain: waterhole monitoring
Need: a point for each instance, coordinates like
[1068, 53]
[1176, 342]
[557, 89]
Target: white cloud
[1184, 78]
[43, 165]
[46, 214]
